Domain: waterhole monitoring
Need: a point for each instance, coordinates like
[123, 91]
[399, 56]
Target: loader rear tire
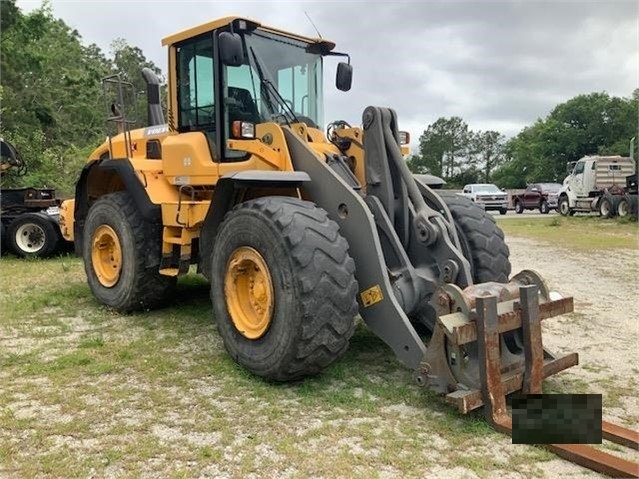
[283, 288]
[482, 241]
[115, 246]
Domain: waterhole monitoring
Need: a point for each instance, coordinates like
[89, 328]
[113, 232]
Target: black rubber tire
[519, 207]
[313, 280]
[481, 239]
[32, 227]
[482, 243]
[634, 205]
[624, 206]
[138, 288]
[544, 209]
[607, 206]
[564, 206]
[503, 211]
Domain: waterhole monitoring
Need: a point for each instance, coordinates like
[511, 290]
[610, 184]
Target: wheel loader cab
[228, 81]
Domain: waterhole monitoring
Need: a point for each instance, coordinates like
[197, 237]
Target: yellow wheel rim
[106, 255]
[249, 292]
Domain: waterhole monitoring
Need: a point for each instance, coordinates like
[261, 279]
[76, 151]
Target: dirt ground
[604, 329]
[88, 393]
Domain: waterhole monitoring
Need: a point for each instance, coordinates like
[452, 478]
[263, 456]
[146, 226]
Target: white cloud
[497, 64]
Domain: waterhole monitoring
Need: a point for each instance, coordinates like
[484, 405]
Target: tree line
[588, 124]
[52, 109]
[52, 104]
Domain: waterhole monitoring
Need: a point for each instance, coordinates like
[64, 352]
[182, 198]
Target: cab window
[242, 101]
[196, 82]
[579, 168]
[293, 83]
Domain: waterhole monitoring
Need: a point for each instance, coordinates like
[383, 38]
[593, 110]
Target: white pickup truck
[487, 195]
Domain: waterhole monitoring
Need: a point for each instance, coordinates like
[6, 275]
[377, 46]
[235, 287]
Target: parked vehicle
[29, 216]
[598, 183]
[542, 196]
[628, 204]
[487, 195]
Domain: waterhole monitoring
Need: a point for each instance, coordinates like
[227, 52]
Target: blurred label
[372, 296]
[556, 418]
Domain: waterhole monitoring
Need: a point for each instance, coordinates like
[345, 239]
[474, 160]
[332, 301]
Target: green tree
[51, 96]
[442, 147]
[488, 150]
[585, 125]
[128, 61]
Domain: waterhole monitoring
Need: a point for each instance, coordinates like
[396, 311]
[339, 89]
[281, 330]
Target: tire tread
[488, 250]
[149, 289]
[325, 274]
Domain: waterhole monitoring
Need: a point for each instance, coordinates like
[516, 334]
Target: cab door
[577, 180]
[531, 195]
[191, 157]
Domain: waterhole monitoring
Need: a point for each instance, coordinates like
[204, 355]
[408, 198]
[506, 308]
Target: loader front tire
[482, 244]
[283, 288]
[482, 241]
[116, 243]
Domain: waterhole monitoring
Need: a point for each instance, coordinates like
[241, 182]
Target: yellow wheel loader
[299, 231]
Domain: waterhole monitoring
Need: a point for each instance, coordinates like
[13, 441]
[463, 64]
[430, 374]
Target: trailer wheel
[32, 235]
[607, 206]
[544, 209]
[116, 243]
[623, 206]
[519, 207]
[283, 288]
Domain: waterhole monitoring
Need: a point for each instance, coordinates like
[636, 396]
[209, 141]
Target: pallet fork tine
[493, 391]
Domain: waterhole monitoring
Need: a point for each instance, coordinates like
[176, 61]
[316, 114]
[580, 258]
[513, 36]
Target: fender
[123, 169]
[53, 219]
[227, 194]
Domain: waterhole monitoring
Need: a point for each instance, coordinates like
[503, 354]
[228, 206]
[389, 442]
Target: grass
[581, 233]
[91, 392]
[88, 392]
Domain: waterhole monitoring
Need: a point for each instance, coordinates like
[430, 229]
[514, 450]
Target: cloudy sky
[499, 65]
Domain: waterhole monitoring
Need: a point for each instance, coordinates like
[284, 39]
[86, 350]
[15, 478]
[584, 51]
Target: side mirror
[344, 77]
[231, 51]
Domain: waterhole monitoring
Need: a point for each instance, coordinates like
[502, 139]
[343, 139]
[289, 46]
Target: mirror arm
[339, 54]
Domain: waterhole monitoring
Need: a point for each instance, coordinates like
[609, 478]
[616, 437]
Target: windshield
[282, 79]
[554, 187]
[486, 189]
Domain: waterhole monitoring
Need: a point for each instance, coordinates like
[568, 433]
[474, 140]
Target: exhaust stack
[155, 116]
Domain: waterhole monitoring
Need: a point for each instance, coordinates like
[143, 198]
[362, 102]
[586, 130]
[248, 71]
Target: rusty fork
[493, 393]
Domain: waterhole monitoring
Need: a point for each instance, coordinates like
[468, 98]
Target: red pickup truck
[542, 196]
